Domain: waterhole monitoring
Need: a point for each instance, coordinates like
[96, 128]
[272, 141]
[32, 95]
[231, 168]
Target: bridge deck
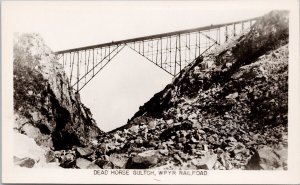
[126, 41]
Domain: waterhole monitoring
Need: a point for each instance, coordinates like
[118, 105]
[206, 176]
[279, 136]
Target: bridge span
[170, 51]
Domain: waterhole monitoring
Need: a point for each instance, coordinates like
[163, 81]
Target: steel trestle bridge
[170, 51]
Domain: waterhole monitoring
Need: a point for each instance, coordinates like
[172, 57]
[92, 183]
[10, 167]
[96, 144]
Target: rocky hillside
[45, 107]
[226, 110]
[230, 115]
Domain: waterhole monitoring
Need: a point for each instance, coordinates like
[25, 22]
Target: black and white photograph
[158, 90]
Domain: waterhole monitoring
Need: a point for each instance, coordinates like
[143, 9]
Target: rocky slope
[230, 115]
[45, 107]
[226, 110]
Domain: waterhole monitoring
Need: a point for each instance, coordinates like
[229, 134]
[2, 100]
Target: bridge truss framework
[171, 51]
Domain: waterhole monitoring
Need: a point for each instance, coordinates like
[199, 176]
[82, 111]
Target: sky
[129, 80]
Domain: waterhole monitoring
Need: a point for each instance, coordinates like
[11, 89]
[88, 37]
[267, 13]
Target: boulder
[152, 125]
[169, 142]
[232, 96]
[211, 140]
[268, 159]
[93, 166]
[84, 151]
[108, 165]
[144, 160]
[264, 159]
[116, 136]
[225, 162]
[183, 156]
[239, 148]
[282, 153]
[205, 147]
[82, 163]
[85, 164]
[102, 161]
[50, 156]
[231, 139]
[136, 149]
[207, 162]
[152, 143]
[30, 92]
[35, 116]
[179, 146]
[177, 158]
[192, 116]
[70, 157]
[201, 132]
[195, 138]
[31, 131]
[170, 121]
[118, 160]
[125, 131]
[102, 148]
[164, 151]
[24, 162]
[139, 140]
[182, 140]
[134, 129]
[67, 161]
[196, 125]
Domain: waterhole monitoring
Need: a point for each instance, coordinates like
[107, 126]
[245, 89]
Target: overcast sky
[129, 80]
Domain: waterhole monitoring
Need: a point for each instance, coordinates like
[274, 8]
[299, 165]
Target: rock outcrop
[45, 107]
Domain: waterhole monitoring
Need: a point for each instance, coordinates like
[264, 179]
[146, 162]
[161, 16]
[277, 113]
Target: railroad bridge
[169, 51]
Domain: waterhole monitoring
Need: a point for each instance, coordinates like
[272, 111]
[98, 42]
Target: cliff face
[231, 115]
[45, 107]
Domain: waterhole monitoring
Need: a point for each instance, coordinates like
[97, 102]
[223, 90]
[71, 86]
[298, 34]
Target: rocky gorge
[227, 110]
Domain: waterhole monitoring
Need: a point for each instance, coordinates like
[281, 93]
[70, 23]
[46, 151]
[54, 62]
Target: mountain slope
[231, 115]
